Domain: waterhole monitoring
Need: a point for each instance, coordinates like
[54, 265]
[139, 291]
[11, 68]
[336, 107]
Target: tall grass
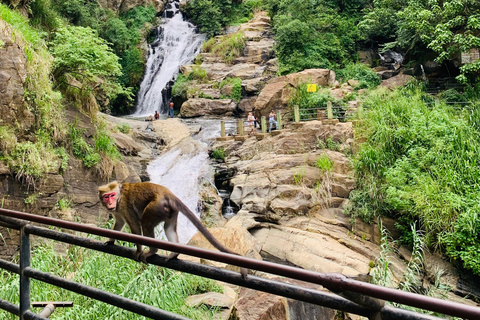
[419, 162]
[149, 284]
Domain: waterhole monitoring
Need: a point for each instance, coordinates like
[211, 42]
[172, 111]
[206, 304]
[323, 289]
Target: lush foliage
[212, 15]
[228, 47]
[163, 288]
[419, 163]
[367, 77]
[84, 63]
[121, 33]
[314, 34]
[445, 27]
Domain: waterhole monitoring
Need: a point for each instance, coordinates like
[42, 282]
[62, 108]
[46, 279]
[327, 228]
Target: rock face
[207, 107]
[255, 66]
[13, 73]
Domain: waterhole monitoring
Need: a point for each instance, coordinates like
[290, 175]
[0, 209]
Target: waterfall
[183, 168]
[176, 44]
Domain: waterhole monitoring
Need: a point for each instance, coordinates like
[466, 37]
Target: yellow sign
[312, 87]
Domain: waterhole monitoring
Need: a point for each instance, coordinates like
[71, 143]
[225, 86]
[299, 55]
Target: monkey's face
[110, 200]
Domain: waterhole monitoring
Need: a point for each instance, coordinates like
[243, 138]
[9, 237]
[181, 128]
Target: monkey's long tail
[198, 224]
[193, 218]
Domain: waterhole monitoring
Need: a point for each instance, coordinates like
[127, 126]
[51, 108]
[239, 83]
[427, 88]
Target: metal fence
[348, 295]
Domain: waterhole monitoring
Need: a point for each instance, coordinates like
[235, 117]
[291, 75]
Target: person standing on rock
[170, 109]
[157, 115]
[251, 120]
[271, 120]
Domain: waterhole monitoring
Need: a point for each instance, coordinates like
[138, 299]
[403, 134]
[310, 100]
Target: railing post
[264, 124]
[296, 111]
[222, 129]
[279, 121]
[24, 281]
[329, 110]
[240, 128]
[360, 109]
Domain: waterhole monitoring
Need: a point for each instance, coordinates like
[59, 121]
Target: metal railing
[357, 297]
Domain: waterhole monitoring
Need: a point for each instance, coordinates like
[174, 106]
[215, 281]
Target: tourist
[271, 120]
[157, 115]
[251, 120]
[170, 109]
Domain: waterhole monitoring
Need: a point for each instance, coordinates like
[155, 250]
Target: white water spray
[177, 44]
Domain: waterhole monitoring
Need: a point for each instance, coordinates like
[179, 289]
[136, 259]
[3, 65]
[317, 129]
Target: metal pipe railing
[270, 286]
[335, 282]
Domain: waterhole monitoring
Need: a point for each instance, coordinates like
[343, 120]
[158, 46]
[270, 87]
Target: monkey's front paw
[109, 242]
[145, 256]
[173, 255]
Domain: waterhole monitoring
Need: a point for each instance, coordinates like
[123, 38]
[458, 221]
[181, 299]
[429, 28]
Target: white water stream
[177, 44]
[183, 168]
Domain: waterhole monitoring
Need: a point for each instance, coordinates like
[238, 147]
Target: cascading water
[176, 44]
[182, 170]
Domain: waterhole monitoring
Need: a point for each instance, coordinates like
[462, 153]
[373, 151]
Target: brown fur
[143, 206]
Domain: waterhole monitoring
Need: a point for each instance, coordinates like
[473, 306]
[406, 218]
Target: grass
[419, 163]
[163, 288]
[228, 47]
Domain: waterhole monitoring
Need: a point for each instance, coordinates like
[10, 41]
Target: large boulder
[277, 92]
[396, 81]
[207, 107]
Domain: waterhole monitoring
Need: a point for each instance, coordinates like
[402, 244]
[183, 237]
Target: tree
[447, 27]
[84, 65]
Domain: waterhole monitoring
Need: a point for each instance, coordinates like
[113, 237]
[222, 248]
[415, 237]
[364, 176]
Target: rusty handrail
[337, 282]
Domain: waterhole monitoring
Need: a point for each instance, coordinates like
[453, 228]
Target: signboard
[311, 87]
[472, 56]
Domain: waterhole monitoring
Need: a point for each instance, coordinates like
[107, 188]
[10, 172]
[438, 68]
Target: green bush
[218, 153]
[418, 163]
[180, 88]
[324, 163]
[236, 89]
[212, 15]
[464, 243]
[309, 101]
[367, 77]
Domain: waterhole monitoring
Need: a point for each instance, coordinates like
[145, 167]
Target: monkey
[143, 206]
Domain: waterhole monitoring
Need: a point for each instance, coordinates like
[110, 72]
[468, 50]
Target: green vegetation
[418, 164]
[83, 61]
[64, 204]
[162, 288]
[367, 77]
[442, 28]
[228, 47]
[218, 153]
[212, 15]
[124, 127]
[180, 88]
[413, 279]
[236, 84]
[314, 34]
[324, 163]
[308, 101]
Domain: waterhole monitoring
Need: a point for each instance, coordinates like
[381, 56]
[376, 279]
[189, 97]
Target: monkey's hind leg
[118, 226]
[171, 233]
